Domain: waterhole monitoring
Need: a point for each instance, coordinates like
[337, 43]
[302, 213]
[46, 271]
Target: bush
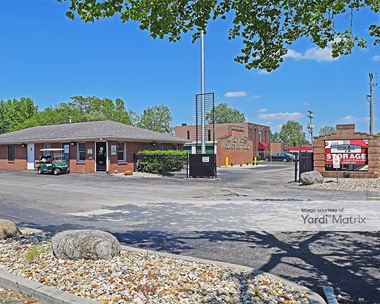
[34, 252]
[161, 162]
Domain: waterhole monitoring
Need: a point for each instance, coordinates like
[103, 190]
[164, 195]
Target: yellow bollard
[226, 162]
[255, 161]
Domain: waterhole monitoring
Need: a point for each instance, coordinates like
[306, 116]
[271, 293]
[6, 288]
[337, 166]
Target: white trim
[78, 154]
[95, 152]
[107, 158]
[30, 161]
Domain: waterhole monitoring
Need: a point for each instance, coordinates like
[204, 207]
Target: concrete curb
[313, 297]
[40, 292]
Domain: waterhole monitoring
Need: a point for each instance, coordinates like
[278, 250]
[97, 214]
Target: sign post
[336, 165]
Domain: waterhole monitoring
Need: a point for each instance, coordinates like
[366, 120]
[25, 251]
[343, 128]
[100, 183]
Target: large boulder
[8, 229]
[85, 244]
[311, 177]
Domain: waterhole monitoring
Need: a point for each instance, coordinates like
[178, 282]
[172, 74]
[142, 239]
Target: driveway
[206, 218]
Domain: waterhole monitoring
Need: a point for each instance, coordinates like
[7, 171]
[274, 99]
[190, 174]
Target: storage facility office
[88, 146]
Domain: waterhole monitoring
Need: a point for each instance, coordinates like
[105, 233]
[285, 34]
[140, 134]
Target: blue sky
[49, 58]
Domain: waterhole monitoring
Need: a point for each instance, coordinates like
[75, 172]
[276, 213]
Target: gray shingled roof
[93, 130]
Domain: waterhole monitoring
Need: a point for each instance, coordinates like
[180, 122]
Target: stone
[311, 177]
[85, 244]
[8, 229]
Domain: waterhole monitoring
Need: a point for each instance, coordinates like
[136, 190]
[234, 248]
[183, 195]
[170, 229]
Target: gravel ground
[349, 184]
[10, 297]
[148, 278]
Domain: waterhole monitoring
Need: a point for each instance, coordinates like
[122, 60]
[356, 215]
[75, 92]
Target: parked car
[285, 157]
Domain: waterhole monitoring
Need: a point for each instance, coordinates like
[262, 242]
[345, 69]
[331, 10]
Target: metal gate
[306, 163]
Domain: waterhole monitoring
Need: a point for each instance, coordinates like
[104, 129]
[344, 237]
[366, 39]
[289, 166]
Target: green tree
[14, 112]
[326, 130]
[275, 137]
[81, 109]
[157, 118]
[292, 134]
[266, 28]
[223, 113]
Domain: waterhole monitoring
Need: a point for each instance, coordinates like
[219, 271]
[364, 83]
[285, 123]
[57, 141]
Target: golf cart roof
[52, 149]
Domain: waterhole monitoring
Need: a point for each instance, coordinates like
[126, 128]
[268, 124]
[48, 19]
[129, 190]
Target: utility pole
[310, 125]
[370, 100]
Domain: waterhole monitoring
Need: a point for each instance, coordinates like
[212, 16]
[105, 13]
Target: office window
[11, 152]
[81, 151]
[188, 134]
[120, 151]
[209, 135]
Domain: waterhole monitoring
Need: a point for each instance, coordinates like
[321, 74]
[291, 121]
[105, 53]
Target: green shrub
[34, 252]
[161, 161]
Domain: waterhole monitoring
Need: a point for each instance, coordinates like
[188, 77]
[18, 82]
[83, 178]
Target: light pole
[203, 85]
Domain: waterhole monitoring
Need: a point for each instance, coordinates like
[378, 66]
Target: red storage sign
[349, 152]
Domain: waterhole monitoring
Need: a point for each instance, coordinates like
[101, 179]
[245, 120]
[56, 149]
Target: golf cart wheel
[39, 171]
[56, 171]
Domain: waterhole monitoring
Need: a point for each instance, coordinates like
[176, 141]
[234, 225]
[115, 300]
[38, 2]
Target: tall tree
[275, 137]
[157, 118]
[14, 112]
[223, 113]
[326, 130]
[292, 134]
[266, 28]
[81, 109]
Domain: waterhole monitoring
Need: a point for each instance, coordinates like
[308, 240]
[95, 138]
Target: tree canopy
[223, 113]
[157, 118]
[292, 134]
[14, 112]
[266, 28]
[326, 130]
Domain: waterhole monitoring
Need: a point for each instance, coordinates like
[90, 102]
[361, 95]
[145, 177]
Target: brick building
[358, 153]
[88, 146]
[239, 142]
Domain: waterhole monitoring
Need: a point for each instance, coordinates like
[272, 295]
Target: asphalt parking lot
[205, 218]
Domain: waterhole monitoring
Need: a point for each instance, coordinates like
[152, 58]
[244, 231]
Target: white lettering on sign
[237, 143]
[205, 159]
[336, 161]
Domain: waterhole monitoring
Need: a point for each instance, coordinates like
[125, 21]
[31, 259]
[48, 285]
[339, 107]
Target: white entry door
[30, 156]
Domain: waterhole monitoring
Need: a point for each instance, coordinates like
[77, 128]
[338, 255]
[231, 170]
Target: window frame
[81, 151]
[11, 158]
[124, 151]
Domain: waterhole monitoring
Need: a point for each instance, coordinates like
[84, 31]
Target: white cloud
[256, 97]
[314, 53]
[281, 116]
[354, 119]
[262, 110]
[376, 58]
[235, 94]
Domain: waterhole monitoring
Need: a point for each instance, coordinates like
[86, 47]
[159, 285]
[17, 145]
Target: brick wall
[345, 132]
[19, 163]
[235, 156]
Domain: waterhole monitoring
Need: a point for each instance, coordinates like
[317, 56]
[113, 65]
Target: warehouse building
[87, 146]
[237, 143]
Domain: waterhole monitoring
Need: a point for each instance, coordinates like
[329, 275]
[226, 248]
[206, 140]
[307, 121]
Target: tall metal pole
[203, 85]
[371, 85]
[310, 126]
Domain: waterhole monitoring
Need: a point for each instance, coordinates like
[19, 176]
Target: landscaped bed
[136, 277]
[349, 184]
[11, 297]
